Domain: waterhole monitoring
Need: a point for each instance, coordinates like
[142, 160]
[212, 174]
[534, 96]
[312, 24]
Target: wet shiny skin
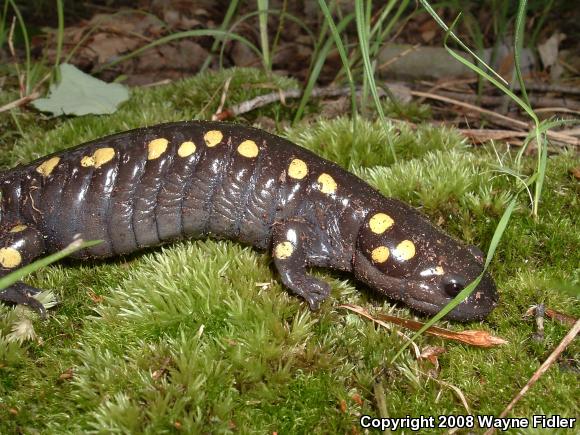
[200, 179]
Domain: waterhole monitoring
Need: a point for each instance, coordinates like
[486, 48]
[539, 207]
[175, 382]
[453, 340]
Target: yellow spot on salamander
[99, 158]
[186, 149]
[327, 184]
[380, 223]
[156, 148]
[213, 137]
[283, 250]
[405, 250]
[47, 167]
[380, 254]
[10, 258]
[87, 161]
[297, 169]
[248, 148]
[18, 228]
[102, 156]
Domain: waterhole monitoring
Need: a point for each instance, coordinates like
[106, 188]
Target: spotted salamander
[198, 179]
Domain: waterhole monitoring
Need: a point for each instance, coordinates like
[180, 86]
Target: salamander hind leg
[291, 248]
[20, 245]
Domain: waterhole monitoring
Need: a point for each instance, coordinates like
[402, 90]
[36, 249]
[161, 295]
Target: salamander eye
[453, 285]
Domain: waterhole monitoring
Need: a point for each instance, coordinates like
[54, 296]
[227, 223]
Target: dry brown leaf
[561, 317]
[575, 172]
[472, 337]
[66, 375]
[431, 353]
[97, 299]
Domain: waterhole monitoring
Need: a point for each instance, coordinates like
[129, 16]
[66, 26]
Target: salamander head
[416, 263]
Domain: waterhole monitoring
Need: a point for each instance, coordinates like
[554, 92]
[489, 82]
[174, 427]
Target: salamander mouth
[425, 297]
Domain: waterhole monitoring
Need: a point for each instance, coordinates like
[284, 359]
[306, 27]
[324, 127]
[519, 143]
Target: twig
[27, 98]
[159, 83]
[557, 109]
[531, 86]
[518, 124]
[547, 87]
[484, 134]
[399, 90]
[543, 368]
[399, 56]
[223, 98]
[13, 53]
[493, 100]
[20, 102]
[514, 122]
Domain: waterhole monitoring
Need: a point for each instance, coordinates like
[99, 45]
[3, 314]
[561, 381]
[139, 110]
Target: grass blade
[342, 52]
[17, 275]
[364, 48]
[59, 38]
[3, 27]
[264, 43]
[518, 45]
[320, 59]
[442, 24]
[232, 8]
[26, 44]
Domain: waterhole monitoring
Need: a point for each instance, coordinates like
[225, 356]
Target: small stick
[493, 100]
[518, 124]
[13, 53]
[27, 98]
[399, 56]
[20, 102]
[223, 98]
[540, 311]
[264, 100]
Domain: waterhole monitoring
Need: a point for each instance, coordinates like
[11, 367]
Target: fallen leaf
[81, 94]
[66, 375]
[575, 172]
[561, 317]
[431, 353]
[472, 337]
[97, 299]
[343, 406]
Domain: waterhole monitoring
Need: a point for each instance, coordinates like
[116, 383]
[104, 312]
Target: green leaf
[79, 94]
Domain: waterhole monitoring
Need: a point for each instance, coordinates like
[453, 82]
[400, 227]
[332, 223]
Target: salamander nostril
[453, 285]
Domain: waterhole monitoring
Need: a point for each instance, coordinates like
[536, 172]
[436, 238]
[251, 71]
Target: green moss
[200, 336]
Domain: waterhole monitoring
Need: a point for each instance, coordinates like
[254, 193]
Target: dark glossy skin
[199, 179]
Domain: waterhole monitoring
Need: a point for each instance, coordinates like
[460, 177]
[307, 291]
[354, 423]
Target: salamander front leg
[18, 247]
[290, 245]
